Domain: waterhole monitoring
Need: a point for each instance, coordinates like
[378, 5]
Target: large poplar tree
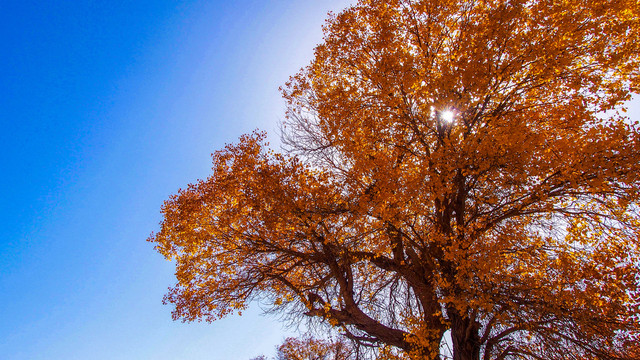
[451, 167]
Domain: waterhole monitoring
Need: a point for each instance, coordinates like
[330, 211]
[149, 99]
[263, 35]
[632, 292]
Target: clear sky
[107, 108]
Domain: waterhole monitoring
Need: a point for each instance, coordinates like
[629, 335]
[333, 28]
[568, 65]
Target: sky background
[107, 108]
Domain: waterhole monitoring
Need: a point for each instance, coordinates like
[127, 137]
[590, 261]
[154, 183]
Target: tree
[314, 349]
[452, 167]
[310, 348]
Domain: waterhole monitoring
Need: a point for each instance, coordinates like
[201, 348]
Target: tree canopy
[451, 167]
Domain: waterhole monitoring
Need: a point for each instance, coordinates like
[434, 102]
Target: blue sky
[107, 108]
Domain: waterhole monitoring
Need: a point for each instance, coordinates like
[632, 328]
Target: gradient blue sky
[107, 108]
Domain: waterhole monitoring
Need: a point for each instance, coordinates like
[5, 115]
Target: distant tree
[453, 167]
[314, 349]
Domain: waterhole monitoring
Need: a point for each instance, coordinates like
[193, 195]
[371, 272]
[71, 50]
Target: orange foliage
[452, 165]
[314, 349]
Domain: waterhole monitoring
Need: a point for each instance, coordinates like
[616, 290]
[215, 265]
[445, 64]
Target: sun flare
[447, 116]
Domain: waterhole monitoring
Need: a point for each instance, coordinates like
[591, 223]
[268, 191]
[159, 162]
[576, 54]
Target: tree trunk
[465, 337]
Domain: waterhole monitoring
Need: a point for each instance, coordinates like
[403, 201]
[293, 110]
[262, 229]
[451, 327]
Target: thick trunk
[465, 337]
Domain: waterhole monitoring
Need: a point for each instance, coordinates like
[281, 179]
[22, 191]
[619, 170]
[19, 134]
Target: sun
[447, 116]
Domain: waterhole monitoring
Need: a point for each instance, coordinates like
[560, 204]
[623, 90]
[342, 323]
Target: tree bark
[465, 337]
